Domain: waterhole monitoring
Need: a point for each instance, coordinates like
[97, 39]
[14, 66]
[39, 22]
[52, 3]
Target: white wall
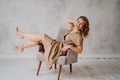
[48, 16]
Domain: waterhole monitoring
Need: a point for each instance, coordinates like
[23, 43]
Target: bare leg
[20, 48]
[32, 37]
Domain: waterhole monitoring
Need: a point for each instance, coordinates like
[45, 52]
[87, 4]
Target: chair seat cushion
[61, 60]
[70, 58]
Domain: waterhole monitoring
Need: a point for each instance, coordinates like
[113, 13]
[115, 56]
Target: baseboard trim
[79, 57]
[99, 58]
[16, 56]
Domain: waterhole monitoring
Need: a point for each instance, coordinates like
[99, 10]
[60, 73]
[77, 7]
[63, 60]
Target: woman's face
[80, 23]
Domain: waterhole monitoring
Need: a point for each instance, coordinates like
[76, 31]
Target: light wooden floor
[85, 69]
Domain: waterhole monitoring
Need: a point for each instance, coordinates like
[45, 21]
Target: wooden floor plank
[110, 69]
[84, 69]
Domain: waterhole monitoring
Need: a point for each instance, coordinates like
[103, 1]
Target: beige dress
[53, 48]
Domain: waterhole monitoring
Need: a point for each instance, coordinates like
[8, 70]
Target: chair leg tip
[58, 79]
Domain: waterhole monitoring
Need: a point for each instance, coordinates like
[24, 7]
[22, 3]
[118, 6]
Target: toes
[19, 33]
[17, 48]
[14, 47]
[17, 28]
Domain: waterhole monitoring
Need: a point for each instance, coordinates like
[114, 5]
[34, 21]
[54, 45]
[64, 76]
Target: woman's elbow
[80, 50]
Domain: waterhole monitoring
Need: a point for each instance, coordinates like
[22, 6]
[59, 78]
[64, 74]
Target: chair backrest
[60, 35]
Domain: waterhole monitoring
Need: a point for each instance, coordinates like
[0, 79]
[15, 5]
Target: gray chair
[70, 58]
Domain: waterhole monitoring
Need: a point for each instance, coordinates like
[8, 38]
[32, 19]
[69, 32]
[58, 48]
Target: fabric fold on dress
[53, 48]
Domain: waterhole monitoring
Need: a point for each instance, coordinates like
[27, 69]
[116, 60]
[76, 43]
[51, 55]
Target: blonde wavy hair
[85, 30]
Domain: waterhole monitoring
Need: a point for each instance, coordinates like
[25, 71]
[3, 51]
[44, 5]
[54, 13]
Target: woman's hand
[65, 48]
[71, 23]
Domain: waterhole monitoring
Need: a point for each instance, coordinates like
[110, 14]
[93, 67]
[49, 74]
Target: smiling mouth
[78, 25]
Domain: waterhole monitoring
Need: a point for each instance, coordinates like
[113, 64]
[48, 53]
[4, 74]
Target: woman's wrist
[70, 47]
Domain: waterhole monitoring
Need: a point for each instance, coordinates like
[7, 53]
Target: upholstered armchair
[69, 59]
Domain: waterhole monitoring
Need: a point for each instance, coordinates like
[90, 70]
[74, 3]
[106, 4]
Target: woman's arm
[70, 23]
[77, 49]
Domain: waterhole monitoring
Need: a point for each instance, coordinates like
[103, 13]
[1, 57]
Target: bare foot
[19, 33]
[18, 48]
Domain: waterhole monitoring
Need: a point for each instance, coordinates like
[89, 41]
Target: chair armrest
[72, 57]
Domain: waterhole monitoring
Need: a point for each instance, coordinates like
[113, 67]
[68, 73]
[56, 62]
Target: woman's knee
[42, 36]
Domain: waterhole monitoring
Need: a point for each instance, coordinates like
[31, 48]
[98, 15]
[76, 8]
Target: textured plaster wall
[48, 16]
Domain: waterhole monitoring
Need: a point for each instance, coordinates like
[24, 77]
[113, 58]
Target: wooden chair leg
[59, 72]
[70, 68]
[39, 65]
[55, 66]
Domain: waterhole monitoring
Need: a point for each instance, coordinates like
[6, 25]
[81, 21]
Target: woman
[73, 40]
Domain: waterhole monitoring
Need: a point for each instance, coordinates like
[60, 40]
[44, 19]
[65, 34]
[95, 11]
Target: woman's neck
[75, 30]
